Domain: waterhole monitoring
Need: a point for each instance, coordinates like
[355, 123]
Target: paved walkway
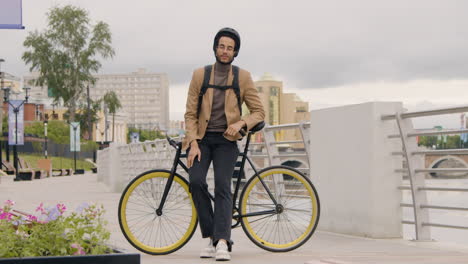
[322, 248]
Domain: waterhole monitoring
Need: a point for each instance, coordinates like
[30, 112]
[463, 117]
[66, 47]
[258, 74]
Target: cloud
[316, 44]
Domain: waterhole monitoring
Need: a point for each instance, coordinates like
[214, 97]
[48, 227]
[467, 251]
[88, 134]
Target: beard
[224, 63]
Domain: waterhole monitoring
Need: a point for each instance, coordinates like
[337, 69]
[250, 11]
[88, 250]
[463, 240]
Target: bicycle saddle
[258, 127]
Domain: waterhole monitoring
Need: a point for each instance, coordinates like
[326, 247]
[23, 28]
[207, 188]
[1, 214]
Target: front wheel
[290, 223]
[153, 232]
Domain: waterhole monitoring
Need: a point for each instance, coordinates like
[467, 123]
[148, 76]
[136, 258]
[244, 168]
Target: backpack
[206, 85]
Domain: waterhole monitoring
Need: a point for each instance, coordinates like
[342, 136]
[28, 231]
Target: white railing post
[272, 150]
[414, 162]
[303, 127]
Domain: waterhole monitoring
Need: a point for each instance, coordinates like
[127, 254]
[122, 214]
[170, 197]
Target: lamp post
[1, 73]
[1, 87]
[75, 128]
[16, 109]
[45, 137]
[101, 132]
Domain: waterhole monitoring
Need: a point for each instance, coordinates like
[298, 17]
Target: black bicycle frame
[244, 156]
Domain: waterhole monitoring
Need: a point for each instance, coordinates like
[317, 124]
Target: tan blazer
[196, 128]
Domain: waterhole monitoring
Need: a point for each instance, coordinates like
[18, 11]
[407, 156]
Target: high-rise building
[144, 96]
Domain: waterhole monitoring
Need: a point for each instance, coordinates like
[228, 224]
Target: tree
[112, 102]
[145, 134]
[65, 53]
[86, 122]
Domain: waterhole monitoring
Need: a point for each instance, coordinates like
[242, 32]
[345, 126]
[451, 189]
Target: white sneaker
[209, 251]
[222, 253]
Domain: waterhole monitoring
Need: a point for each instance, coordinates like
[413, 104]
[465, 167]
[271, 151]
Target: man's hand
[233, 129]
[193, 153]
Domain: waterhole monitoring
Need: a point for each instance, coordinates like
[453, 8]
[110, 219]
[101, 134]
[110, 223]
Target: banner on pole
[75, 136]
[11, 15]
[16, 131]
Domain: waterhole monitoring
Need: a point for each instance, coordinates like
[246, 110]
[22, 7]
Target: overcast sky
[330, 52]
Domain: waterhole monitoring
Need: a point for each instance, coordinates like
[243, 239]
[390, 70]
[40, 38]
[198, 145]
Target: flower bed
[53, 231]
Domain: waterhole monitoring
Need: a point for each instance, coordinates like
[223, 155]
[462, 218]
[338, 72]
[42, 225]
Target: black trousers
[214, 223]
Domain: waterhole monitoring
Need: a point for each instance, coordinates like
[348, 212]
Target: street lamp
[1, 73]
[45, 137]
[102, 134]
[16, 109]
[1, 87]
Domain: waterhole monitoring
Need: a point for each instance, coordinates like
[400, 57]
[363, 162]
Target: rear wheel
[290, 223]
[146, 229]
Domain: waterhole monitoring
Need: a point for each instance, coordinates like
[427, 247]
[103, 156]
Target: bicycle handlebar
[172, 142]
[242, 132]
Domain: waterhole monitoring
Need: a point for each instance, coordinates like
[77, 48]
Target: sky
[330, 52]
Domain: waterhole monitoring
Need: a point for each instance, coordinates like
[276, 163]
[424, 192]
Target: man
[212, 122]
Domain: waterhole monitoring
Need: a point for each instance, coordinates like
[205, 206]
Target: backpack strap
[206, 85]
[206, 82]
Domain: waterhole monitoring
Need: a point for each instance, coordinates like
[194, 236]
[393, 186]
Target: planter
[116, 258]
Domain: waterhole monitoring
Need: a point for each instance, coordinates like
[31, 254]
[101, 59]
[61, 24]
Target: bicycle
[278, 208]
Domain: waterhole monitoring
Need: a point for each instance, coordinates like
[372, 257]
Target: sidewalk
[323, 247]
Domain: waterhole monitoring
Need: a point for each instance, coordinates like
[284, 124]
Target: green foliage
[53, 232]
[57, 131]
[111, 100]
[57, 162]
[441, 142]
[144, 134]
[65, 54]
[82, 115]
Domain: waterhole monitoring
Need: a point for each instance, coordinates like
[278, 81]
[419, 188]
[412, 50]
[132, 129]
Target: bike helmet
[228, 32]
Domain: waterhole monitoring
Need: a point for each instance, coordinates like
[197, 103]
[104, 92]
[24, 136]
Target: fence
[416, 170]
[53, 149]
[120, 163]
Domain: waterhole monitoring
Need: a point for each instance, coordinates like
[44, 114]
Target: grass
[57, 162]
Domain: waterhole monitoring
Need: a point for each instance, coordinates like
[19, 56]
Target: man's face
[225, 50]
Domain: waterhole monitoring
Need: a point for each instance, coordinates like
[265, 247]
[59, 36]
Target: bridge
[446, 161]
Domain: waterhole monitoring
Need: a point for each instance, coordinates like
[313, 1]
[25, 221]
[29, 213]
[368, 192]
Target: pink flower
[62, 208]
[32, 218]
[79, 250]
[9, 203]
[6, 215]
[41, 209]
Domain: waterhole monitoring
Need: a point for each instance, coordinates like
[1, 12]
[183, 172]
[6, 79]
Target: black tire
[146, 230]
[291, 224]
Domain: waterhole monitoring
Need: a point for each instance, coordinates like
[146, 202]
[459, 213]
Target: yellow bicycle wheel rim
[130, 235]
[314, 204]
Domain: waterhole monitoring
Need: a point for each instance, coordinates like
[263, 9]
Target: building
[280, 107]
[144, 96]
[176, 128]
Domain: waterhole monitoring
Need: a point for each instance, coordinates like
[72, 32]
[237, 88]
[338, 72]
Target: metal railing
[271, 145]
[415, 169]
[119, 164]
